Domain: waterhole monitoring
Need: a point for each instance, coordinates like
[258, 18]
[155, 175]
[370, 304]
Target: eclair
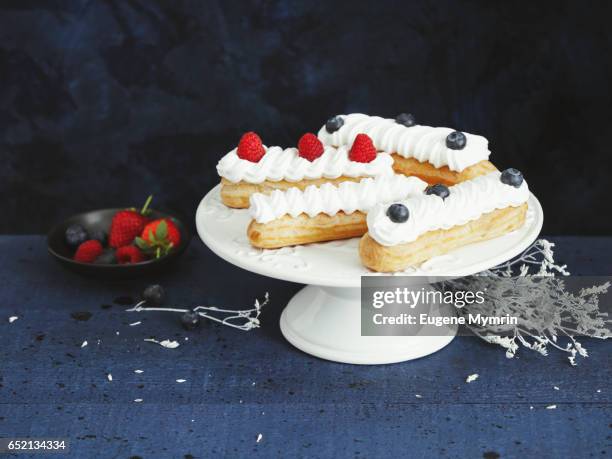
[254, 168]
[322, 213]
[410, 231]
[437, 155]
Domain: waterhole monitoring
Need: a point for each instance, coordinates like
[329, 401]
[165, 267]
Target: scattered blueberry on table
[190, 320]
[154, 295]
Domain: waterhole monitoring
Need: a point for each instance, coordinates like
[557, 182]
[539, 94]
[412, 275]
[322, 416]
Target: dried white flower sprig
[539, 254]
[547, 312]
[245, 319]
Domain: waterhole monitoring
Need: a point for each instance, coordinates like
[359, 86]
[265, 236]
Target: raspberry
[310, 147]
[250, 147]
[88, 251]
[363, 150]
[129, 254]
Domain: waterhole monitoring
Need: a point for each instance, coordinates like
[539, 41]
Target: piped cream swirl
[423, 143]
[467, 201]
[329, 199]
[286, 164]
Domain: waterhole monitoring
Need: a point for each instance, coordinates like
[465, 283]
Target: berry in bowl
[119, 242]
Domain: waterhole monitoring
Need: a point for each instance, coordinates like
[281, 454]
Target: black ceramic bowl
[101, 220]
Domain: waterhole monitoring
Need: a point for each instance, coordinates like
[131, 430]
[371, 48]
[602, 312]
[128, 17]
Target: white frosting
[278, 164]
[423, 143]
[347, 197]
[467, 201]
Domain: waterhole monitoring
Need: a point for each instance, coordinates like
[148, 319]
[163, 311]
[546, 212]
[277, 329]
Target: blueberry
[75, 235]
[334, 123]
[154, 294]
[99, 235]
[398, 213]
[190, 320]
[107, 258]
[438, 190]
[407, 119]
[512, 177]
[456, 140]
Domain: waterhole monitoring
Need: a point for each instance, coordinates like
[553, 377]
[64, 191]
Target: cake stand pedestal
[324, 318]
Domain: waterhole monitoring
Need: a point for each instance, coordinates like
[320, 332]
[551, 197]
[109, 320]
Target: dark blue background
[104, 102]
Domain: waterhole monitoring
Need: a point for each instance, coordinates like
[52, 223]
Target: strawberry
[159, 237]
[363, 150]
[250, 147]
[310, 147]
[126, 225]
[129, 254]
[88, 251]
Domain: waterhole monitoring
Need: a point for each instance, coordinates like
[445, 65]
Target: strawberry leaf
[141, 243]
[161, 232]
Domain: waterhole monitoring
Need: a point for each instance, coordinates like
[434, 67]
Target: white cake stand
[324, 318]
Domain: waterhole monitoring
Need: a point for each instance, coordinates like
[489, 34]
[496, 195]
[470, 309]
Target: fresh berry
[190, 320]
[398, 213]
[456, 140]
[156, 229]
[127, 225]
[406, 119]
[154, 294]
[159, 237]
[250, 147]
[334, 123]
[363, 150]
[100, 235]
[129, 254]
[438, 190]
[512, 177]
[88, 251]
[75, 235]
[310, 147]
[107, 258]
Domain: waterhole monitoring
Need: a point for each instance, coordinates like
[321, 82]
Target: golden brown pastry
[287, 230]
[432, 175]
[382, 258]
[408, 232]
[323, 213]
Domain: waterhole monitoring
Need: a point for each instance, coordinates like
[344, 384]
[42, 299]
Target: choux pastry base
[432, 175]
[287, 231]
[382, 258]
[237, 195]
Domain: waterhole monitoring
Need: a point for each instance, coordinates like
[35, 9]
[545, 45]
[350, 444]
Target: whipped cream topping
[348, 197]
[468, 201]
[423, 143]
[278, 164]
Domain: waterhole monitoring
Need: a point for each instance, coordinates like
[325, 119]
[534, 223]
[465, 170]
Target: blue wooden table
[240, 385]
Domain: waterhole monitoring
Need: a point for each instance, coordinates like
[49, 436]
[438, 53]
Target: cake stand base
[326, 322]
